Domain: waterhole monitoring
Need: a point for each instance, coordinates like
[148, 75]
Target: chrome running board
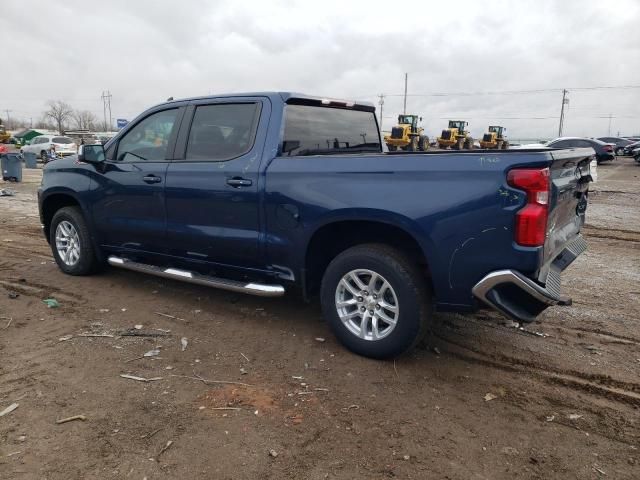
[258, 289]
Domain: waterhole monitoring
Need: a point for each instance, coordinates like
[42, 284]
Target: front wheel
[375, 300]
[71, 242]
[43, 156]
[392, 148]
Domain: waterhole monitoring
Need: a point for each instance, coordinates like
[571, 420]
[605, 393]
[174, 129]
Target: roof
[285, 96]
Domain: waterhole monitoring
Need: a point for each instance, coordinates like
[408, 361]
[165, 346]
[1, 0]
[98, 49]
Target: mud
[566, 389]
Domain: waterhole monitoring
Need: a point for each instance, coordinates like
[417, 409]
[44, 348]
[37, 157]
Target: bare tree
[85, 120]
[59, 112]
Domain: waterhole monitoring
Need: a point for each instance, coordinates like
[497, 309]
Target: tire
[86, 261]
[468, 143]
[408, 289]
[423, 143]
[392, 148]
[619, 151]
[43, 156]
[411, 147]
[505, 145]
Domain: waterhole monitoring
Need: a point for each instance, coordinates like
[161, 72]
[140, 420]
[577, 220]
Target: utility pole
[381, 103]
[406, 77]
[8, 117]
[106, 104]
[609, 125]
[565, 101]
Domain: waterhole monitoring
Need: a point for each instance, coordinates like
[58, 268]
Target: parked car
[604, 151]
[41, 144]
[628, 149]
[619, 143]
[265, 193]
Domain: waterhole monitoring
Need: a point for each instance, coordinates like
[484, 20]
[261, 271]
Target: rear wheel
[505, 145]
[43, 156]
[71, 242]
[459, 144]
[468, 143]
[375, 300]
[392, 148]
[423, 143]
[619, 151]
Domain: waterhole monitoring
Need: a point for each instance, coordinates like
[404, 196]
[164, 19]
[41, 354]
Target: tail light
[531, 220]
[608, 148]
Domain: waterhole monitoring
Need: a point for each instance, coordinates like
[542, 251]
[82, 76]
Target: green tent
[27, 135]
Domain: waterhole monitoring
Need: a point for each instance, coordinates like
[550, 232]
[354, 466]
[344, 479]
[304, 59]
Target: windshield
[311, 130]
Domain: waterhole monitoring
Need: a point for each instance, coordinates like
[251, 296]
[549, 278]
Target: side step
[258, 289]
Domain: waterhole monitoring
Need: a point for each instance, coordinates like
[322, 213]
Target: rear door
[128, 194]
[212, 186]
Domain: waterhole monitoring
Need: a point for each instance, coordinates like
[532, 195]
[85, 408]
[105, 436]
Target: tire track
[601, 385]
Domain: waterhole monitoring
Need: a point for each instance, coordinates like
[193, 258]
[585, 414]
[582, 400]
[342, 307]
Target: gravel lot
[481, 400]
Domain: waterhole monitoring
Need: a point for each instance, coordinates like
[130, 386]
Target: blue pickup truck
[267, 192]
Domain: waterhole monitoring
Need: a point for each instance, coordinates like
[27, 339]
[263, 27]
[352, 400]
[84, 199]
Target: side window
[584, 143]
[148, 140]
[222, 131]
[560, 144]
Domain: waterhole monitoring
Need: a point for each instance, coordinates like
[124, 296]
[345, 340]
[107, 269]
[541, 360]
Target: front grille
[487, 137]
[446, 134]
[397, 132]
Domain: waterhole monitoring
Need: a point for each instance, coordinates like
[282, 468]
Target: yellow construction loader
[495, 139]
[407, 135]
[456, 136]
[4, 135]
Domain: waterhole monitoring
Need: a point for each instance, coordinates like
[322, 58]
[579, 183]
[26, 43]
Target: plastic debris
[490, 396]
[184, 342]
[273, 453]
[574, 416]
[138, 327]
[320, 339]
[51, 302]
[152, 353]
[13, 295]
[64, 338]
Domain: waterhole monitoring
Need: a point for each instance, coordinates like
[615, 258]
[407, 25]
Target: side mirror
[91, 154]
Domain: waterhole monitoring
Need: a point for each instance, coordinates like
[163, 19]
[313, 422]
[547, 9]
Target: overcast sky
[144, 51]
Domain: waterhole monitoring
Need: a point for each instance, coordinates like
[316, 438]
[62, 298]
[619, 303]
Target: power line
[511, 92]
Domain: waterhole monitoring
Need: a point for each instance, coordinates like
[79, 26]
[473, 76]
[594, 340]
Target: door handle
[152, 179]
[239, 182]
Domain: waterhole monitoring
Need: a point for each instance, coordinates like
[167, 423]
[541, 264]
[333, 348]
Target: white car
[40, 145]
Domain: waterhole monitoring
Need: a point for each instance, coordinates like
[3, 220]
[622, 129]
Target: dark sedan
[628, 149]
[619, 143]
[604, 151]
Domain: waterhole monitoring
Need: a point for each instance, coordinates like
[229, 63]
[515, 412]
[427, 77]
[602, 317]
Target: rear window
[311, 130]
[61, 140]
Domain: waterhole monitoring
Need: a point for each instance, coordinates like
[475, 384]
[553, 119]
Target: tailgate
[571, 172]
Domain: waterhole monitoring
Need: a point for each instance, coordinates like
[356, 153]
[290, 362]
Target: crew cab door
[128, 193]
[213, 183]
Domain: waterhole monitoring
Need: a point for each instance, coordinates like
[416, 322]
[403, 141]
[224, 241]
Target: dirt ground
[483, 400]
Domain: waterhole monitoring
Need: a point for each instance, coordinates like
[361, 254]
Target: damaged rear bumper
[521, 298]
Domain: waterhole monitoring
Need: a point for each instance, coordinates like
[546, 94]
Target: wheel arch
[53, 202]
[346, 229]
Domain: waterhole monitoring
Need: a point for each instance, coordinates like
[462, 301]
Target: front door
[212, 185]
[128, 194]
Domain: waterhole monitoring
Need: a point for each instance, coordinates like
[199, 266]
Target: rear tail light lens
[531, 220]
